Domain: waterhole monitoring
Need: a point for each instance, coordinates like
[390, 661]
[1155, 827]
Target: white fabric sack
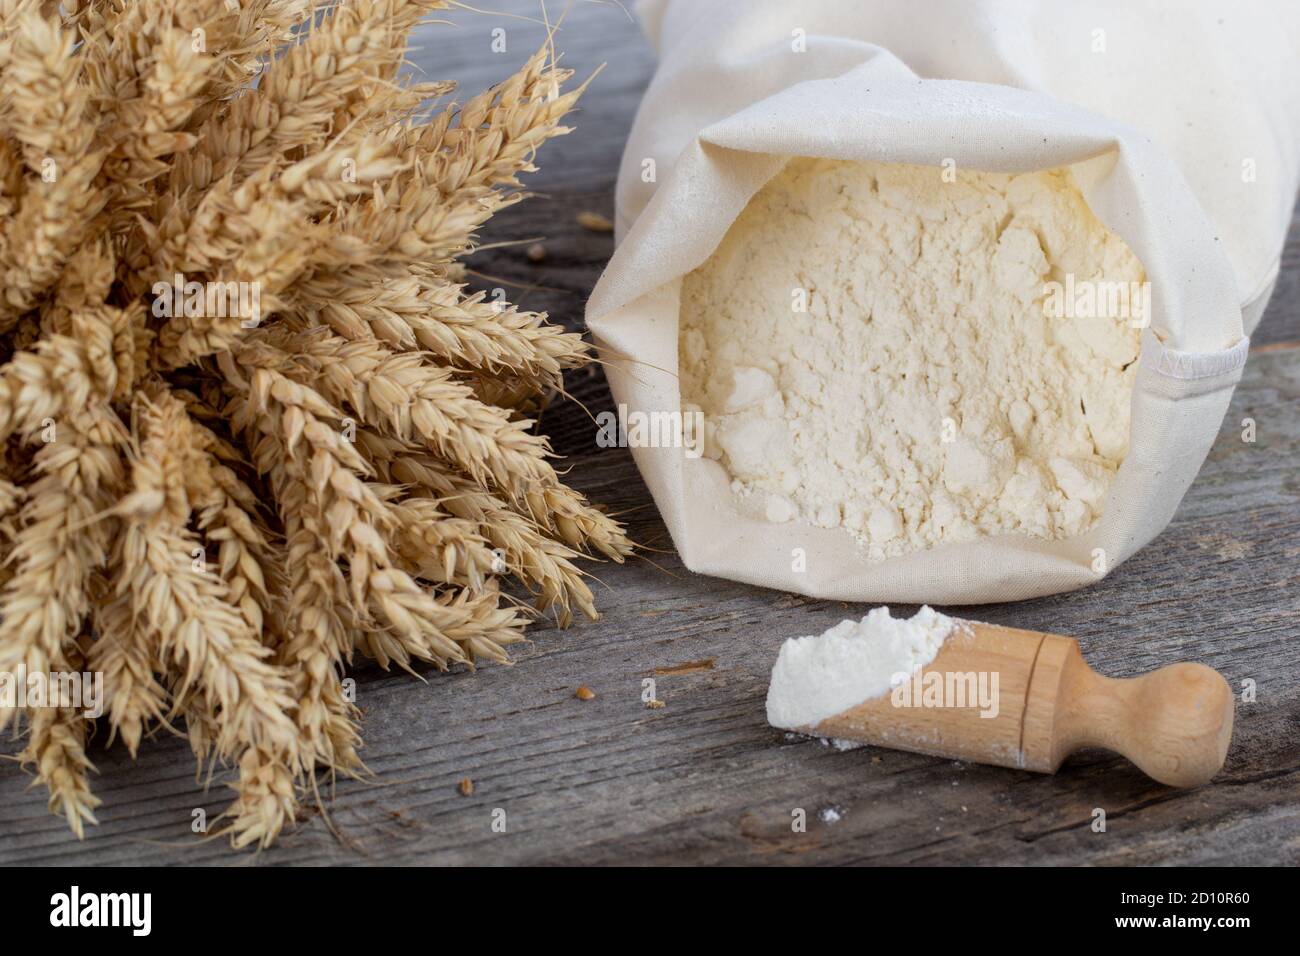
[1182, 124]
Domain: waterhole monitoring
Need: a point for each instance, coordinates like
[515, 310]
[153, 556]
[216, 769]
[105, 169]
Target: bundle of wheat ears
[217, 509]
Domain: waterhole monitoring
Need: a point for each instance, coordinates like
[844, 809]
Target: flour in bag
[929, 390]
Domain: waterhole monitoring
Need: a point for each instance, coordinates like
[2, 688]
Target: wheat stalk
[219, 512]
[56, 750]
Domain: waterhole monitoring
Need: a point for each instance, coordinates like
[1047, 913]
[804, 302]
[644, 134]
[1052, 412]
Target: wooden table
[705, 779]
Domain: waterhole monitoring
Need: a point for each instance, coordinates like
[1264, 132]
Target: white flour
[823, 675]
[923, 396]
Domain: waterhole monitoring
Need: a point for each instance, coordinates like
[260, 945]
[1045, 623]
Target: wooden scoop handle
[1174, 723]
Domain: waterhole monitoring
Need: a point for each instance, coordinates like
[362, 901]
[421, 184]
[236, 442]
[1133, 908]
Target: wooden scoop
[1044, 703]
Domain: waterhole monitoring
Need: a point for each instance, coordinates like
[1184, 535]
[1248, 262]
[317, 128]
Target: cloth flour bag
[1182, 125]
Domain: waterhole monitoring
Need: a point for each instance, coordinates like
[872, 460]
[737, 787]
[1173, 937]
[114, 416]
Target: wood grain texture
[703, 779]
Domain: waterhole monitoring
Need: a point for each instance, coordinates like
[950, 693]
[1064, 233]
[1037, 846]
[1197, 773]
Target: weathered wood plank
[704, 779]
